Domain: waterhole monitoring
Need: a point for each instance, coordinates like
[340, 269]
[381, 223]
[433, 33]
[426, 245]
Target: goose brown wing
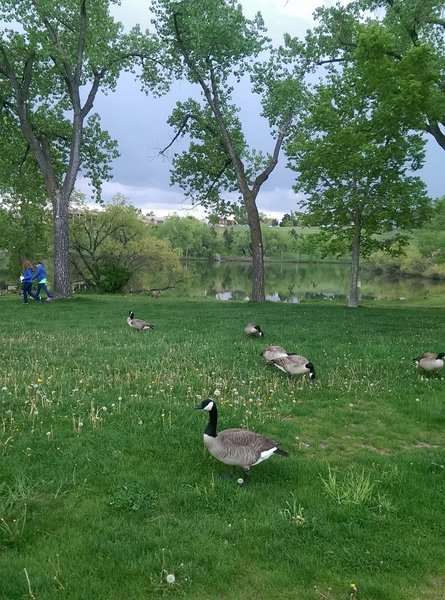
[272, 352]
[243, 437]
[140, 323]
[427, 356]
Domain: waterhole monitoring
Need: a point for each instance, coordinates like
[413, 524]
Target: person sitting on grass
[40, 277]
[27, 277]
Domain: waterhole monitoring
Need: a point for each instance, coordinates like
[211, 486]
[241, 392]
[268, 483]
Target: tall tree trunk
[355, 265]
[258, 294]
[62, 285]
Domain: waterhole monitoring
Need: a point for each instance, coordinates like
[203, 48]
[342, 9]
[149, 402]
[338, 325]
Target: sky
[139, 124]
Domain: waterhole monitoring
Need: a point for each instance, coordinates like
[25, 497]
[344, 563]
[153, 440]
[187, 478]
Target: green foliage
[211, 44]
[431, 238]
[26, 230]
[189, 235]
[114, 248]
[352, 167]
[54, 59]
[397, 47]
[112, 277]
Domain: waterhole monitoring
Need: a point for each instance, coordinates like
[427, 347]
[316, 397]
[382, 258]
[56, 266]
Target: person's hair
[27, 264]
[38, 262]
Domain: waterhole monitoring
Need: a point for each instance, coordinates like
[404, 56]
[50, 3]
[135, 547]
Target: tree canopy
[398, 47]
[115, 249]
[354, 171]
[212, 45]
[54, 57]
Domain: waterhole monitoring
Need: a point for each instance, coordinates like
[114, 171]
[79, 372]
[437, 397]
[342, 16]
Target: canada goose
[430, 361]
[295, 364]
[271, 352]
[236, 447]
[138, 324]
[253, 330]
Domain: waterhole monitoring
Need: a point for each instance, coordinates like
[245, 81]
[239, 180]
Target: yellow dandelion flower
[353, 586]
[39, 381]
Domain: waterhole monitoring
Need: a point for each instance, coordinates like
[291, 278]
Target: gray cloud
[139, 124]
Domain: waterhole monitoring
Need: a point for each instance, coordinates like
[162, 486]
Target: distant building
[226, 221]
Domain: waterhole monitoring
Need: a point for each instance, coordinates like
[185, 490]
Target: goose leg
[227, 474]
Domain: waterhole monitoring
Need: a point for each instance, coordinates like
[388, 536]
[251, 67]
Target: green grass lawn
[106, 487]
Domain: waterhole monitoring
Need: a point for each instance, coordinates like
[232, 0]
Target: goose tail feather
[281, 452]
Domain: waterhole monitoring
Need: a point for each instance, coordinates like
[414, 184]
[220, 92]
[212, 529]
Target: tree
[188, 234]
[215, 47]
[112, 248]
[353, 169]
[398, 47]
[53, 60]
[25, 230]
[290, 220]
[431, 239]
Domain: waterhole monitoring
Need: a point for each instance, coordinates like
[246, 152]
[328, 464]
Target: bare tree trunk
[62, 285]
[355, 265]
[258, 283]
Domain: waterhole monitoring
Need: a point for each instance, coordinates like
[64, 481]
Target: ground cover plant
[106, 490]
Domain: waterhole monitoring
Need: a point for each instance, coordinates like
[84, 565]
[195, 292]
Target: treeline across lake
[119, 248]
[423, 256]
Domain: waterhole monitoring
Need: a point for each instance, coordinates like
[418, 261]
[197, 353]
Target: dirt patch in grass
[434, 590]
[374, 449]
[422, 445]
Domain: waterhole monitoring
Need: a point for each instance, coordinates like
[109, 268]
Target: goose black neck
[213, 420]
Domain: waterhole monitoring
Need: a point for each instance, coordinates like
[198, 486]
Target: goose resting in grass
[270, 353]
[138, 324]
[430, 361]
[295, 364]
[236, 447]
[253, 330]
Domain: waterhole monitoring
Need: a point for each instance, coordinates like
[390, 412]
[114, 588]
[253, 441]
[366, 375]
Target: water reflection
[295, 282]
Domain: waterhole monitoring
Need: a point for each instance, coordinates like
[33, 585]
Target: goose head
[206, 405]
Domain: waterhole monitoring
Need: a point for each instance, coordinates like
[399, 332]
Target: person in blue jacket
[27, 277]
[40, 277]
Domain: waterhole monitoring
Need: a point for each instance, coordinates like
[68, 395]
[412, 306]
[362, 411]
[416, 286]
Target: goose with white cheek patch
[236, 447]
[138, 324]
[430, 361]
[253, 330]
[295, 364]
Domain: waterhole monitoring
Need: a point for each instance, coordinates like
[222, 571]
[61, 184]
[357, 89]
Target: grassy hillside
[106, 488]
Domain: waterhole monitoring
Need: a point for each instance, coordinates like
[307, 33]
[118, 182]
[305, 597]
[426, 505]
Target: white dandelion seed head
[170, 578]
[240, 481]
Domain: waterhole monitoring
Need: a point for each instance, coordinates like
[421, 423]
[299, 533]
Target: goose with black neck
[236, 447]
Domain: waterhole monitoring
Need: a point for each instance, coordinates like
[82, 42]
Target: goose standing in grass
[138, 324]
[253, 330]
[295, 364]
[430, 361]
[270, 353]
[236, 447]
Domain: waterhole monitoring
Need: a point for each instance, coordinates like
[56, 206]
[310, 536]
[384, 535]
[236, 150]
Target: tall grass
[106, 490]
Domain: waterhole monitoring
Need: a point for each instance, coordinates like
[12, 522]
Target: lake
[294, 282]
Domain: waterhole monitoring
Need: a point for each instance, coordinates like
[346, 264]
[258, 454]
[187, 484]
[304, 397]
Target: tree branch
[262, 177]
[180, 130]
